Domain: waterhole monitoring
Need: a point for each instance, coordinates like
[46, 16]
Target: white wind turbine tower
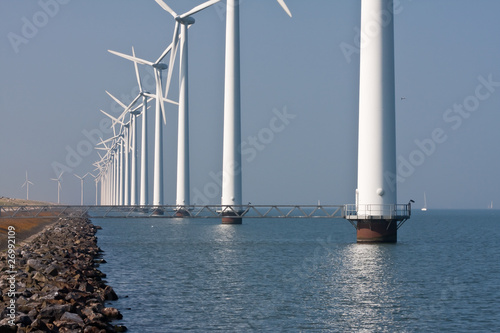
[158, 67]
[376, 197]
[27, 183]
[144, 198]
[58, 180]
[231, 160]
[184, 21]
[96, 180]
[81, 186]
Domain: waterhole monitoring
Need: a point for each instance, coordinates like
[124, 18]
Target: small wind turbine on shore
[27, 183]
[96, 180]
[58, 180]
[81, 186]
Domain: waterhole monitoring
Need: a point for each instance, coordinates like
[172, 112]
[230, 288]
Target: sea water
[298, 275]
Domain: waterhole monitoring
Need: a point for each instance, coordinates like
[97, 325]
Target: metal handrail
[171, 211]
[390, 210]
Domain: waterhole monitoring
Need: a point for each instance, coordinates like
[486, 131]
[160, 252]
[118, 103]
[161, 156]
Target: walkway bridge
[349, 212]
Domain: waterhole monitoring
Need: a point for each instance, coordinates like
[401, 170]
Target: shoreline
[50, 281]
[26, 229]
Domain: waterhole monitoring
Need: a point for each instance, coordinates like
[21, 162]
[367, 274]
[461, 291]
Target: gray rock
[39, 277]
[109, 294]
[112, 313]
[33, 265]
[86, 287]
[51, 270]
[71, 318]
[54, 311]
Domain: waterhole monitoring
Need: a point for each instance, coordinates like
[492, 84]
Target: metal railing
[374, 211]
[174, 211]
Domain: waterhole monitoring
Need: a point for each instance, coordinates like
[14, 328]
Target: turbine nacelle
[185, 20]
[161, 66]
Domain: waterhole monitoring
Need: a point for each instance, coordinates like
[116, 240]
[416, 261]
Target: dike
[54, 284]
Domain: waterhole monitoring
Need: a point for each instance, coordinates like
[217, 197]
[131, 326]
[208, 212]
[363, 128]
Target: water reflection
[368, 287]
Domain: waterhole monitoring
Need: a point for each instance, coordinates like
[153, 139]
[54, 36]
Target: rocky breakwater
[54, 284]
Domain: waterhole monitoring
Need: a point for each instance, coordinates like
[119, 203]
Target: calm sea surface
[305, 275]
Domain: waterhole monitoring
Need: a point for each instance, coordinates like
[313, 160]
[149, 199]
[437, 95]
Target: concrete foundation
[377, 231]
[182, 213]
[158, 211]
[231, 218]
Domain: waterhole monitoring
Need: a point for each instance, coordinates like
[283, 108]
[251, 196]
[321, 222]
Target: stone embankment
[52, 283]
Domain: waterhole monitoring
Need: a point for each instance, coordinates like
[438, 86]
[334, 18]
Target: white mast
[183, 197]
[158, 152]
[133, 179]
[144, 155]
[231, 163]
[377, 126]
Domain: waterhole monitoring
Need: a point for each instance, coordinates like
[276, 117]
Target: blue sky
[55, 69]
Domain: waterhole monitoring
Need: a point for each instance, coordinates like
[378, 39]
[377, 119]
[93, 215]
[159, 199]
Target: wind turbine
[27, 183]
[58, 180]
[158, 67]
[144, 198]
[112, 162]
[121, 140]
[375, 194]
[134, 200]
[81, 186]
[184, 21]
[96, 180]
[231, 159]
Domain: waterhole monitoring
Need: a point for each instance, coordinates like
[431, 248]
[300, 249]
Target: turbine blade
[168, 49]
[164, 99]
[199, 8]
[116, 100]
[285, 7]
[175, 40]
[113, 118]
[101, 143]
[129, 107]
[166, 7]
[131, 58]
[138, 76]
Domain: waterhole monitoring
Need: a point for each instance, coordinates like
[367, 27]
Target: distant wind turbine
[96, 180]
[81, 186]
[58, 180]
[144, 198]
[133, 140]
[158, 67]
[27, 183]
